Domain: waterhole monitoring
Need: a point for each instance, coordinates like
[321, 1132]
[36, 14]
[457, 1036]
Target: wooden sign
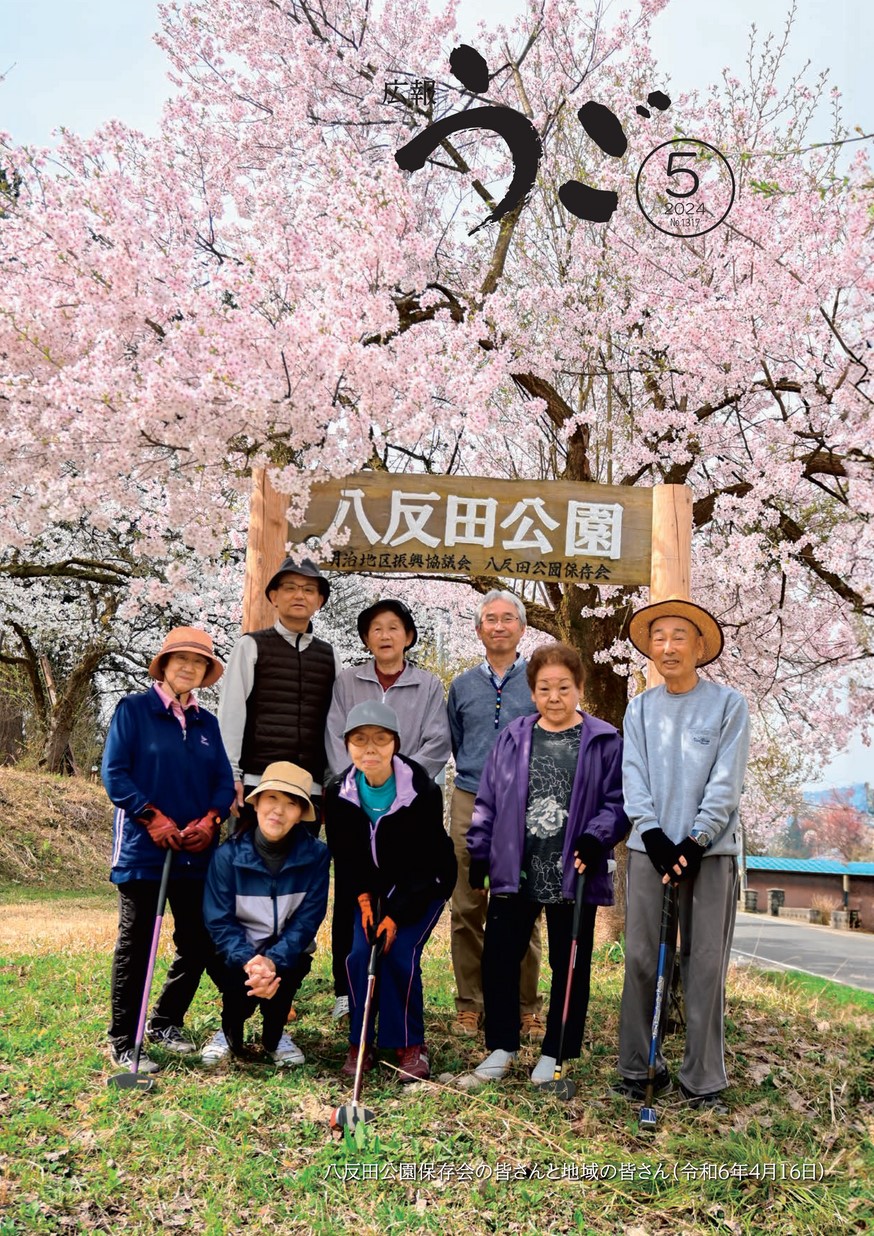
[467, 525]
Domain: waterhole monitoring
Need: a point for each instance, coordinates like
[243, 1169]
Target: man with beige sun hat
[684, 762]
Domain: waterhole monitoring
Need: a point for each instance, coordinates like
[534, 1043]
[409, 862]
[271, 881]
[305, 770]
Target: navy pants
[398, 1003]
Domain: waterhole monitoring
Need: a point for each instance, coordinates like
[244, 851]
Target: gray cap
[306, 567]
[372, 712]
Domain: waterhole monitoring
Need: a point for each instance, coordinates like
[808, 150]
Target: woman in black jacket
[384, 826]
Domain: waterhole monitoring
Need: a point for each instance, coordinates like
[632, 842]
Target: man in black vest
[278, 684]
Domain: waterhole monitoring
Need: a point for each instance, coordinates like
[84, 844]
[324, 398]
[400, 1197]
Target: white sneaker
[341, 1008]
[287, 1053]
[215, 1051]
[496, 1066]
[544, 1070]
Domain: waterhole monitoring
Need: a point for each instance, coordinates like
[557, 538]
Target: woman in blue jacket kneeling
[266, 895]
[549, 805]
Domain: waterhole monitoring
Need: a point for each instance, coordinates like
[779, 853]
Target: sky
[78, 63]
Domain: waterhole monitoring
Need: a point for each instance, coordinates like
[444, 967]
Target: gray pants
[706, 909]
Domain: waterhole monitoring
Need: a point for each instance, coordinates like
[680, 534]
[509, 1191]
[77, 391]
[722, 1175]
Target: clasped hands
[195, 837]
[262, 981]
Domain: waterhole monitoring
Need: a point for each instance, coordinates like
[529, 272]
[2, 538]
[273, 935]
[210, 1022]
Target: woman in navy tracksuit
[266, 894]
[165, 769]
[384, 825]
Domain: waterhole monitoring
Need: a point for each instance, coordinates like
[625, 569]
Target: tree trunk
[57, 755]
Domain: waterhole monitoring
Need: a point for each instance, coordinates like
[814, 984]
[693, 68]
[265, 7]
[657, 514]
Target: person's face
[387, 639]
[675, 646]
[277, 813]
[556, 696]
[371, 749]
[296, 598]
[183, 671]
[500, 627]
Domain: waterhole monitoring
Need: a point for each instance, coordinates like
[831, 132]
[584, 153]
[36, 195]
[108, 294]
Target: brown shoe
[467, 1022]
[533, 1027]
[413, 1063]
[351, 1061]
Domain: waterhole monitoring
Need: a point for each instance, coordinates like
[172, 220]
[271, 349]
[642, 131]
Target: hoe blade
[131, 1081]
[646, 1121]
[350, 1115]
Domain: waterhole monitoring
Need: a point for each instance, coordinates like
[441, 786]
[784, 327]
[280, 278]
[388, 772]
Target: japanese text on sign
[553, 530]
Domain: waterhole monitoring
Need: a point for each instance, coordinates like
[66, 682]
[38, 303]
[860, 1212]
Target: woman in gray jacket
[388, 632]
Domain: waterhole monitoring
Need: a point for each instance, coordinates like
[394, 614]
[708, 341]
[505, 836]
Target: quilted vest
[288, 705]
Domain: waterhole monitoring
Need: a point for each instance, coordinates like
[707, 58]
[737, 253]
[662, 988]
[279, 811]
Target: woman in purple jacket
[549, 805]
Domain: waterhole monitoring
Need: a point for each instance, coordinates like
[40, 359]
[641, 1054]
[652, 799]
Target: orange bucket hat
[188, 639]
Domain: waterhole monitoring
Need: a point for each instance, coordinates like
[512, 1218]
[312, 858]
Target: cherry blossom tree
[838, 826]
[261, 285]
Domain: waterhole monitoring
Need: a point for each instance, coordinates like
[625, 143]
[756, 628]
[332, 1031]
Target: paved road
[777, 944]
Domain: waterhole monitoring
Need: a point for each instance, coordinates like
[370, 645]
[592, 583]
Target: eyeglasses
[360, 741]
[506, 620]
[304, 590]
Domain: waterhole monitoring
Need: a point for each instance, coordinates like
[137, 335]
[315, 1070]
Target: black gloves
[589, 850]
[692, 852]
[479, 872]
[665, 855]
[661, 850]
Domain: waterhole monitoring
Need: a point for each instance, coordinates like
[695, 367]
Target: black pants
[238, 1004]
[137, 906]
[343, 918]
[508, 932]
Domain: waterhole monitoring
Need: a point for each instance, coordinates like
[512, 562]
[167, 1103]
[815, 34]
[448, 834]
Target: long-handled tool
[352, 1114]
[136, 1080]
[646, 1120]
[565, 1087]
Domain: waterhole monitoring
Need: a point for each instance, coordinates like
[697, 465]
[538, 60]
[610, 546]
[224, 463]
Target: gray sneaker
[125, 1060]
[171, 1039]
[215, 1051]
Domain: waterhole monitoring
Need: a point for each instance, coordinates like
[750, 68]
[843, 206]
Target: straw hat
[290, 779]
[677, 607]
[188, 639]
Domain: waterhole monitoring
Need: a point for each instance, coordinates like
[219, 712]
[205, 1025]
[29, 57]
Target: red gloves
[367, 917]
[198, 834]
[163, 831]
[386, 933]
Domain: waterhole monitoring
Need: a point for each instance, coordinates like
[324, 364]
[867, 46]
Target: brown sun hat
[290, 779]
[188, 639]
[677, 607]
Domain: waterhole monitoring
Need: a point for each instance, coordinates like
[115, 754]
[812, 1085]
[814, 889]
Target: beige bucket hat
[290, 779]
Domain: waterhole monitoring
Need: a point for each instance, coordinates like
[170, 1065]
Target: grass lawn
[249, 1149]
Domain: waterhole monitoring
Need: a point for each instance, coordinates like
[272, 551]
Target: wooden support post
[671, 570]
[265, 550]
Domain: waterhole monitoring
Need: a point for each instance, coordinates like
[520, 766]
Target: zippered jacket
[248, 910]
[406, 858]
[149, 758]
[416, 697]
[497, 830]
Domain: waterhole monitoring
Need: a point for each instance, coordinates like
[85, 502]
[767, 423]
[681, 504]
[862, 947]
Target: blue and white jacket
[149, 758]
[248, 910]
